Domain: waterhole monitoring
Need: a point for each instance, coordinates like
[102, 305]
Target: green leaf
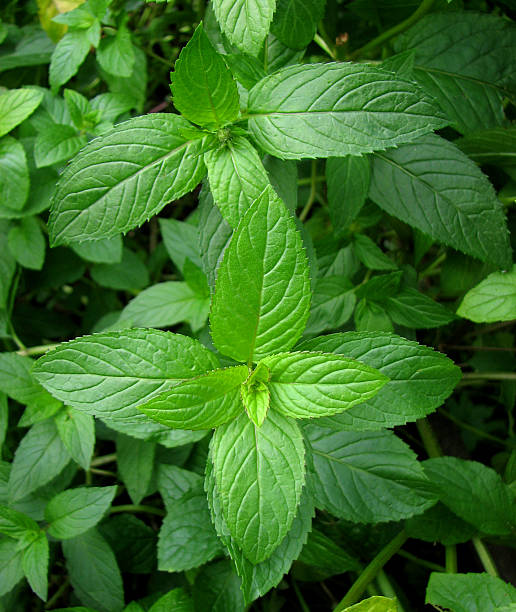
[94, 572]
[368, 477]
[167, 304]
[420, 378]
[333, 302]
[496, 146]
[211, 100]
[115, 54]
[450, 199]
[217, 588]
[308, 385]
[380, 288]
[14, 174]
[196, 279]
[11, 570]
[439, 524]
[136, 554]
[7, 270]
[181, 241]
[266, 257]
[474, 492]
[374, 604]
[135, 462]
[255, 394]
[109, 374]
[237, 177]
[27, 243]
[77, 432]
[39, 457]
[136, 181]
[35, 565]
[347, 179]
[74, 511]
[246, 69]
[187, 538]
[469, 592]
[16, 524]
[129, 274]
[333, 110]
[295, 21]
[16, 105]
[494, 299]
[57, 144]
[415, 309]
[245, 22]
[177, 600]
[461, 60]
[67, 57]
[107, 251]
[4, 419]
[322, 552]
[259, 475]
[200, 403]
[371, 255]
[174, 482]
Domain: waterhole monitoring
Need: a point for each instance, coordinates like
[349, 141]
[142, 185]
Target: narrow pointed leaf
[259, 475]
[203, 88]
[433, 186]
[35, 565]
[121, 179]
[237, 177]
[307, 385]
[266, 258]
[135, 462]
[200, 403]
[256, 402]
[16, 524]
[333, 110]
[77, 433]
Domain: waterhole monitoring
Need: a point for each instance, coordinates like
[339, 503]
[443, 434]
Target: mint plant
[252, 401]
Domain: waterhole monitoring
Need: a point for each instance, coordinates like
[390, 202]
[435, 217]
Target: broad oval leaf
[259, 474]
[121, 179]
[308, 385]
[14, 175]
[203, 88]
[493, 299]
[295, 21]
[337, 109]
[262, 292]
[200, 403]
[434, 187]
[420, 378]
[16, 105]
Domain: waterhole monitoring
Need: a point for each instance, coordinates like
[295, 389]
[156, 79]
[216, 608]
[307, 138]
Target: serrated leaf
[107, 251]
[57, 144]
[74, 511]
[211, 100]
[295, 21]
[333, 302]
[187, 538]
[35, 565]
[494, 146]
[371, 255]
[333, 110]
[370, 316]
[469, 592]
[11, 570]
[174, 482]
[217, 588]
[374, 604]
[256, 399]
[322, 552]
[266, 257]
[16, 105]
[94, 572]
[203, 402]
[137, 181]
[14, 174]
[68, 55]
[259, 475]
[77, 432]
[128, 274]
[108, 375]
[420, 378]
[450, 199]
[237, 177]
[245, 22]
[415, 309]
[39, 457]
[474, 492]
[167, 304]
[181, 241]
[309, 385]
[135, 462]
[348, 181]
[368, 477]
[115, 54]
[493, 299]
[27, 243]
[16, 524]
[439, 524]
[461, 60]
[176, 599]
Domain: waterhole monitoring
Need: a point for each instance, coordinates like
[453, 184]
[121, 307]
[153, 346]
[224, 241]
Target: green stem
[302, 603]
[57, 595]
[478, 432]
[489, 376]
[37, 350]
[311, 197]
[309, 180]
[387, 589]
[137, 508]
[430, 442]
[431, 268]
[96, 461]
[423, 562]
[324, 46]
[371, 571]
[423, 8]
[451, 559]
[485, 557]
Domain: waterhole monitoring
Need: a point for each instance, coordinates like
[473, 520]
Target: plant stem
[423, 562]
[423, 8]
[57, 595]
[430, 442]
[485, 557]
[387, 589]
[431, 268]
[302, 603]
[96, 461]
[37, 350]
[451, 559]
[311, 196]
[371, 571]
[324, 46]
[137, 508]
[478, 432]
[489, 376]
